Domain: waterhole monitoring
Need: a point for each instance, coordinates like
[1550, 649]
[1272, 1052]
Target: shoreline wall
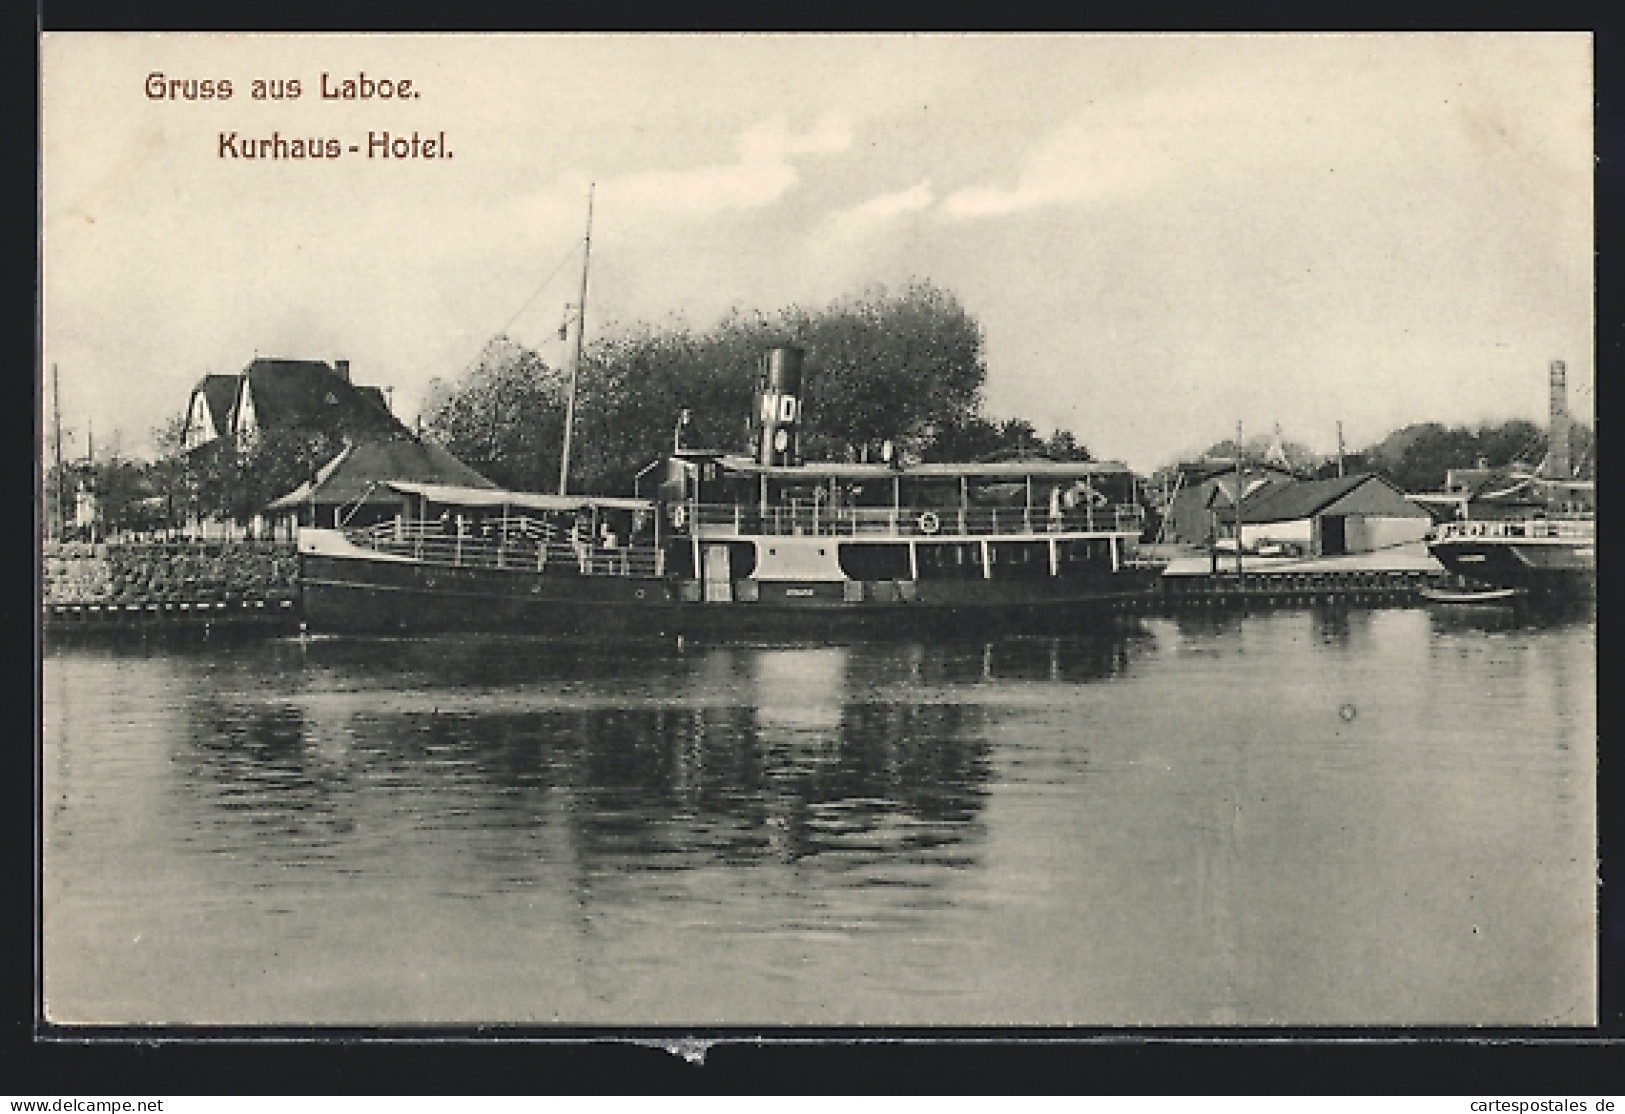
[158, 572]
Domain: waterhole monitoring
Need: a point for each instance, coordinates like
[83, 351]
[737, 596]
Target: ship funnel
[1557, 433]
[778, 407]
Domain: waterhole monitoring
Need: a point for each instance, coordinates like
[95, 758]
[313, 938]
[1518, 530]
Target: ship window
[949, 560]
[1019, 560]
[874, 561]
[1080, 556]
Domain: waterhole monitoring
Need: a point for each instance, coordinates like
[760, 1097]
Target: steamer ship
[1528, 533]
[1547, 558]
[746, 544]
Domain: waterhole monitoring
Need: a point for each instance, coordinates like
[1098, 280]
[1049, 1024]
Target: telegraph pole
[1339, 450]
[575, 364]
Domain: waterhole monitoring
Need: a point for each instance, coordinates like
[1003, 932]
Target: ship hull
[1547, 568]
[357, 595]
[917, 609]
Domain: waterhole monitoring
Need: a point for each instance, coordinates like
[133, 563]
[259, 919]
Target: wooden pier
[1374, 587]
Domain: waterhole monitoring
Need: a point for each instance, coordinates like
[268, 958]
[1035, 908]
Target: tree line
[905, 368]
[1418, 456]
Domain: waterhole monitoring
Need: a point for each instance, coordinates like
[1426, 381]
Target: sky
[1160, 235]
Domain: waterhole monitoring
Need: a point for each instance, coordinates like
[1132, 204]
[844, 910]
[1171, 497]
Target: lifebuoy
[679, 516]
[928, 522]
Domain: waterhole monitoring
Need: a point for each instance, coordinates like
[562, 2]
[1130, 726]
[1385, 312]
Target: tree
[905, 368]
[168, 437]
[1354, 464]
[636, 382]
[879, 367]
[1063, 445]
[504, 418]
[1418, 457]
[884, 367]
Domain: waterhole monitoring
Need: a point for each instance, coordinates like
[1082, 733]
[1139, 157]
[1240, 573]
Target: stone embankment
[165, 581]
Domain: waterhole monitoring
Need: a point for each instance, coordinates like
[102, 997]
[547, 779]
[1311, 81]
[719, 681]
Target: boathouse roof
[1366, 493]
[363, 471]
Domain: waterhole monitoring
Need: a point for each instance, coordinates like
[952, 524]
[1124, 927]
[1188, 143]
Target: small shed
[1329, 518]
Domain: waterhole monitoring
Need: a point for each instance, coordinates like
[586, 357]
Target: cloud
[1084, 161]
[1238, 119]
[889, 205]
[848, 243]
[764, 172]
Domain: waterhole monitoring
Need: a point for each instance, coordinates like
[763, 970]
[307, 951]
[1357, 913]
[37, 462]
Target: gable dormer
[247, 417]
[200, 429]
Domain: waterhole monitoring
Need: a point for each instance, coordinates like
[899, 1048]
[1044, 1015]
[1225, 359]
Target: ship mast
[575, 362]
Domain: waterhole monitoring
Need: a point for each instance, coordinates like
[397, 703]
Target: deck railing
[716, 519]
[1521, 528]
[518, 542]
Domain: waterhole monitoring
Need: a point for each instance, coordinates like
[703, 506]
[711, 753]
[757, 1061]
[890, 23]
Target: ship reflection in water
[1302, 817]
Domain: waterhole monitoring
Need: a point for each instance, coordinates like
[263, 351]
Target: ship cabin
[469, 527]
[740, 522]
[836, 521]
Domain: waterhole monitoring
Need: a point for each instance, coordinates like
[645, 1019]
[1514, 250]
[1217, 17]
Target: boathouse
[351, 489]
[1328, 518]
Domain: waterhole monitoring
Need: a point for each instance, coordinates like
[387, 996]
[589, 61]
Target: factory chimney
[1557, 452]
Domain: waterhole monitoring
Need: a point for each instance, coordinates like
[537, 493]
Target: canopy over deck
[1010, 470]
[450, 495]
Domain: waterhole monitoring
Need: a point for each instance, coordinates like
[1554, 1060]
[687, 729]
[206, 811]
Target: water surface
[1301, 817]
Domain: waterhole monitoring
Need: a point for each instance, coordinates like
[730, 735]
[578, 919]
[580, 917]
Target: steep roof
[1223, 491]
[358, 473]
[1306, 498]
[220, 395]
[309, 394]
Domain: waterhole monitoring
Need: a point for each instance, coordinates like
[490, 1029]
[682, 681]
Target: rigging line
[569, 255]
[535, 294]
